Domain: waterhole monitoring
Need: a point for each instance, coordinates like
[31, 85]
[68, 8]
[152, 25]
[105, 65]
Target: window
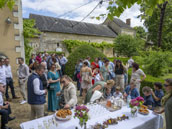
[58, 44]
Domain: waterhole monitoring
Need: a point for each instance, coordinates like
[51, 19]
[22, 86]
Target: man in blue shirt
[131, 90]
[148, 100]
[158, 94]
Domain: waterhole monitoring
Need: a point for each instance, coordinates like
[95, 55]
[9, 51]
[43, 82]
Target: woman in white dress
[138, 75]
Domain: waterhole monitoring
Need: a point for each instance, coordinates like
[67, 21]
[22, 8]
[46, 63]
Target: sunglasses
[166, 85]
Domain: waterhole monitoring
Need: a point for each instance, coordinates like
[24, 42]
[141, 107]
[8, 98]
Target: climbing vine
[72, 44]
[29, 32]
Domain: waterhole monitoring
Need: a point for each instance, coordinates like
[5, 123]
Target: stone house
[11, 37]
[56, 30]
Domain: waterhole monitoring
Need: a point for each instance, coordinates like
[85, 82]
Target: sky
[57, 8]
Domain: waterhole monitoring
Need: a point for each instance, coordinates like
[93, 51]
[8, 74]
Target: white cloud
[59, 7]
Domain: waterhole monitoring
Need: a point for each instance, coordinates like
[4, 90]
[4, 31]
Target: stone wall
[11, 38]
[54, 42]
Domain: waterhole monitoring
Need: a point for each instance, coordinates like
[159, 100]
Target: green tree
[140, 32]
[29, 32]
[117, 7]
[127, 45]
[160, 27]
[9, 3]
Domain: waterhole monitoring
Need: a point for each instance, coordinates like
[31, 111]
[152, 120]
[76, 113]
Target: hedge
[53, 52]
[81, 52]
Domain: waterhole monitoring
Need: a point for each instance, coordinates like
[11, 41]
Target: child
[131, 90]
[117, 94]
[107, 94]
[148, 100]
[158, 94]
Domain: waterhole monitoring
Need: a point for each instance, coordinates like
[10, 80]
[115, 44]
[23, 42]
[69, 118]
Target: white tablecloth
[150, 121]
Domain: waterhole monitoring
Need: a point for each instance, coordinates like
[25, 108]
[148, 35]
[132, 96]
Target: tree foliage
[152, 24]
[156, 63]
[117, 7]
[81, 52]
[140, 32]
[9, 3]
[29, 32]
[126, 45]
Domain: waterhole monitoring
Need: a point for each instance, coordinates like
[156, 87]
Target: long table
[150, 121]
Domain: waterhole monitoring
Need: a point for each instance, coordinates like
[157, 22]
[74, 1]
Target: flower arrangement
[137, 102]
[81, 112]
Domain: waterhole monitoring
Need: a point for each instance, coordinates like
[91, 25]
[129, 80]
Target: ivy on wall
[29, 32]
[72, 44]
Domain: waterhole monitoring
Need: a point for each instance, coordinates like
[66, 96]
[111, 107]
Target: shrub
[54, 52]
[81, 53]
[123, 59]
[72, 44]
[156, 63]
[126, 45]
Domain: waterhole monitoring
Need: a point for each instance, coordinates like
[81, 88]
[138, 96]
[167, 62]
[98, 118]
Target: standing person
[70, 96]
[31, 62]
[54, 87]
[167, 103]
[130, 62]
[38, 58]
[2, 72]
[88, 61]
[23, 74]
[137, 74]
[105, 70]
[86, 78]
[100, 62]
[63, 62]
[58, 67]
[9, 80]
[119, 73]
[36, 93]
[5, 109]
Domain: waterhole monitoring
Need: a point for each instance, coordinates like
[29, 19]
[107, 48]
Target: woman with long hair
[86, 78]
[137, 74]
[119, 72]
[54, 88]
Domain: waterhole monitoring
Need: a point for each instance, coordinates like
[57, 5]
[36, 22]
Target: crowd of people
[44, 79]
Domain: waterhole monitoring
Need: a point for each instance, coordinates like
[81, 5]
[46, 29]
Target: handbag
[51, 87]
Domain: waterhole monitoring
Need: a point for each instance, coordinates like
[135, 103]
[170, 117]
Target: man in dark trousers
[5, 109]
[36, 93]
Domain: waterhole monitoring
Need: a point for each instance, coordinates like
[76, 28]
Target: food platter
[143, 110]
[111, 107]
[63, 114]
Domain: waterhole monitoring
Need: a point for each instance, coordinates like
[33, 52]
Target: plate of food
[144, 110]
[63, 114]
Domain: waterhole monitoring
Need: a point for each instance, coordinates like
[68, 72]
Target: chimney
[128, 21]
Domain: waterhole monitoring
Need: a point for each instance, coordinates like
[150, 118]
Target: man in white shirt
[23, 74]
[36, 93]
[9, 80]
[2, 72]
[5, 109]
[63, 61]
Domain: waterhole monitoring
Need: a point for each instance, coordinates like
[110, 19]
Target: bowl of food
[144, 110]
[63, 114]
